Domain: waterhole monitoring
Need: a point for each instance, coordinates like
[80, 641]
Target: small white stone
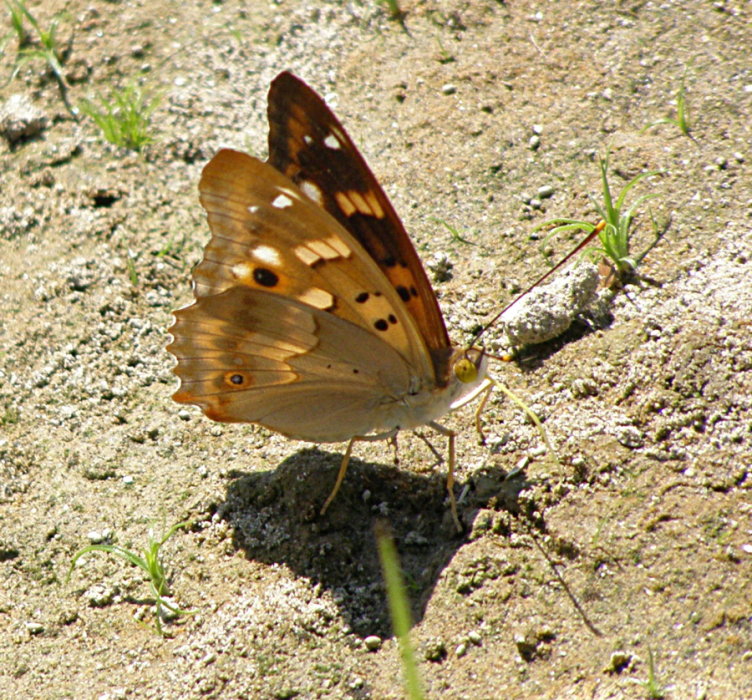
[34, 627]
[372, 642]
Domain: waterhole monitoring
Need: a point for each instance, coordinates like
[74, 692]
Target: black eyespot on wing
[265, 277]
[403, 292]
[389, 262]
[236, 379]
[362, 298]
[392, 319]
[380, 325]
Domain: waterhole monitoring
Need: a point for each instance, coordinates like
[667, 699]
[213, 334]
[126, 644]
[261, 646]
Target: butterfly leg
[429, 445]
[451, 435]
[346, 460]
[395, 447]
[479, 410]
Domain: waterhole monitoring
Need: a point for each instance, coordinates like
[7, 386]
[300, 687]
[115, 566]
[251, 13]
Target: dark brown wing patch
[309, 145]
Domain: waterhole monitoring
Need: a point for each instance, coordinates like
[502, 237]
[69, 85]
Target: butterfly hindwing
[309, 145]
[251, 355]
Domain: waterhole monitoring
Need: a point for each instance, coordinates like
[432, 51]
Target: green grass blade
[611, 215]
[453, 231]
[16, 22]
[110, 549]
[566, 225]
[399, 610]
[631, 184]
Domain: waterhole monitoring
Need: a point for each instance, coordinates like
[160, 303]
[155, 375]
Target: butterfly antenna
[542, 279]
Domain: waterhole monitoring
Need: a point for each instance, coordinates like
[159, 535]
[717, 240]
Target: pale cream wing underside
[253, 356]
[269, 235]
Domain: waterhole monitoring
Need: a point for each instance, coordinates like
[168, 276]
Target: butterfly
[313, 315]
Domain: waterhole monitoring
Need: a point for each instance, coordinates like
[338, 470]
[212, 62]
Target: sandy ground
[647, 521]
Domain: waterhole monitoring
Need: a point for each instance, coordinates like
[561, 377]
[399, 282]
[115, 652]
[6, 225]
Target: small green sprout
[614, 233]
[125, 117]
[152, 566]
[444, 55]
[396, 13]
[682, 114]
[9, 415]
[393, 8]
[456, 236]
[132, 271]
[41, 44]
[654, 689]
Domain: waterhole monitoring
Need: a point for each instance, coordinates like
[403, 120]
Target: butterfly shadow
[275, 519]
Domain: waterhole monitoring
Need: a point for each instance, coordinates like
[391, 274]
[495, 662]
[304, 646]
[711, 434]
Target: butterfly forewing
[267, 235]
[309, 145]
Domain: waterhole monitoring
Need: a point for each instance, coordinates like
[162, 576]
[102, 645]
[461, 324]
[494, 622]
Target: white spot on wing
[306, 256]
[308, 140]
[340, 246]
[281, 201]
[241, 270]
[253, 209]
[267, 254]
[331, 141]
[318, 298]
[312, 191]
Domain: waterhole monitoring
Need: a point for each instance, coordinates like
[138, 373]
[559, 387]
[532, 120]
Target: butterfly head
[470, 365]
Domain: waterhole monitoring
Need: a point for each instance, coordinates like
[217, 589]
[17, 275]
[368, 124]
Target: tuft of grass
[682, 114]
[151, 564]
[124, 117]
[40, 44]
[174, 247]
[654, 689]
[399, 610]
[615, 233]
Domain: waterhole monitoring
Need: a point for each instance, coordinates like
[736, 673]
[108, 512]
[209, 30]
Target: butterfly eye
[465, 370]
